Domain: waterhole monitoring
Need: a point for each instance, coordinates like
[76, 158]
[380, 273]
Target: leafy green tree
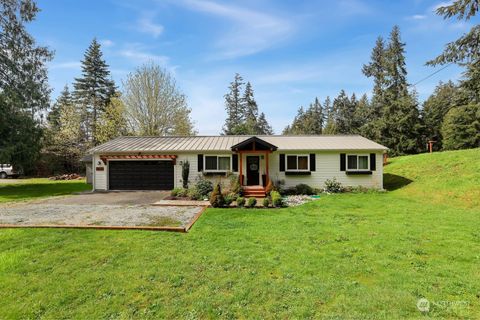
[112, 122]
[154, 104]
[24, 89]
[435, 108]
[461, 128]
[93, 90]
[235, 106]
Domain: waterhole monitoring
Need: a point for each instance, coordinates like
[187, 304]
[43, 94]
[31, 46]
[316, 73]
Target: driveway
[99, 209]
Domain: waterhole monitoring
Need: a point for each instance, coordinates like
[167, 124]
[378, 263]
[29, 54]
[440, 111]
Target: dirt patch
[99, 215]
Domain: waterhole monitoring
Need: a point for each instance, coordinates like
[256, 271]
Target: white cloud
[107, 43]
[252, 32]
[147, 25]
[418, 17]
[138, 54]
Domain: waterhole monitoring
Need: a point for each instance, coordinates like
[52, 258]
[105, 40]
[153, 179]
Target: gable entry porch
[253, 155]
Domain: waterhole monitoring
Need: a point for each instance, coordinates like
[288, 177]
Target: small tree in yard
[185, 173]
[216, 198]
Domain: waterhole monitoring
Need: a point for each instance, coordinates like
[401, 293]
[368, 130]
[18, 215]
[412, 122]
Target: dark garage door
[140, 175]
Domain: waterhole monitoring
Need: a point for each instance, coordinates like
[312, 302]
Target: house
[155, 163]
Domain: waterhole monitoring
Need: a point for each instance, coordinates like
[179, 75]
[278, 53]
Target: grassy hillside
[451, 177]
[348, 256]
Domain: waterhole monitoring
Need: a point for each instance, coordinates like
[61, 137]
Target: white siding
[100, 179]
[328, 167]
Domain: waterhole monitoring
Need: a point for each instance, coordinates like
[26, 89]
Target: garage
[141, 175]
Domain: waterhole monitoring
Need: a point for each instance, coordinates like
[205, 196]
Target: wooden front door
[253, 170]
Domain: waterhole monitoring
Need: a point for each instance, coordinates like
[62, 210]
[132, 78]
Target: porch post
[266, 167]
[241, 167]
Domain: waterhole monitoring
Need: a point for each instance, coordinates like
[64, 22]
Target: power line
[432, 74]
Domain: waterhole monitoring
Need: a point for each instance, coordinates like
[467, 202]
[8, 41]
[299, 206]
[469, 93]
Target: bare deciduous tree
[154, 104]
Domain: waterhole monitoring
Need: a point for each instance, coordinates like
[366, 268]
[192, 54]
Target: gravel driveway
[101, 209]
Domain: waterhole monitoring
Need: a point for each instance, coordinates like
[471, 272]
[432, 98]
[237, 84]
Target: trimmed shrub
[235, 186]
[204, 186]
[240, 201]
[333, 186]
[216, 198]
[229, 198]
[277, 200]
[185, 173]
[266, 202]
[251, 202]
[303, 189]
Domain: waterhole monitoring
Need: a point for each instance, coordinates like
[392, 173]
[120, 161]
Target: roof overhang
[255, 144]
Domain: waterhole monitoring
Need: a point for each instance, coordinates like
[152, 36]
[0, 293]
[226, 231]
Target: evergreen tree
[362, 116]
[93, 89]
[24, 89]
[435, 108]
[263, 126]
[461, 128]
[53, 116]
[234, 105]
[344, 114]
[251, 111]
[330, 118]
[309, 121]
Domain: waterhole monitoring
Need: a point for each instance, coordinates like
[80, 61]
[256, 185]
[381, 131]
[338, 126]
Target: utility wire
[432, 74]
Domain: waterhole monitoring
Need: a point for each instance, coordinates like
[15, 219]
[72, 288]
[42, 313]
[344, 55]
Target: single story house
[155, 163]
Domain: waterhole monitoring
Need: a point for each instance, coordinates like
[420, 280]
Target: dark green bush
[251, 202]
[240, 201]
[304, 189]
[204, 186]
[266, 202]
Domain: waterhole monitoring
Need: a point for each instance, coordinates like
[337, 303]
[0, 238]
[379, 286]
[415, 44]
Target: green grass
[349, 256]
[29, 189]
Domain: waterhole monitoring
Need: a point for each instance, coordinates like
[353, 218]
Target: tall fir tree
[344, 115]
[93, 90]
[435, 108]
[309, 121]
[235, 106]
[53, 117]
[362, 116]
[251, 111]
[263, 126]
[329, 127]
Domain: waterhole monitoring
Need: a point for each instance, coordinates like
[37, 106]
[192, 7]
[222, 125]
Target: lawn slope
[349, 256]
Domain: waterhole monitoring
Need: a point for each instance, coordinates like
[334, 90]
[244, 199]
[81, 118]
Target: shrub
[303, 189]
[216, 198]
[251, 202]
[194, 194]
[333, 186]
[240, 201]
[185, 173]
[277, 200]
[204, 186]
[175, 192]
[229, 198]
[266, 202]
[235, 186]
[179, 192]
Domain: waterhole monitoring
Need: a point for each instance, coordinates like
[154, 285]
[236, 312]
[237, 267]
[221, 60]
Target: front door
[253, 167]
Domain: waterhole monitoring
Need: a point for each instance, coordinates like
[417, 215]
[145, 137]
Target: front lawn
[366, 256]
[28, 189]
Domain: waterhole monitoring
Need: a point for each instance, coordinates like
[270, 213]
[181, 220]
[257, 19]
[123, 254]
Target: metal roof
[224, 143]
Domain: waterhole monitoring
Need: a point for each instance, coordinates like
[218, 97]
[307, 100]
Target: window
[357, 162]
[217, 163]
[298, 163]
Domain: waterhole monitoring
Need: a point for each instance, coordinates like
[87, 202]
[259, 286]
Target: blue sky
[291, 51]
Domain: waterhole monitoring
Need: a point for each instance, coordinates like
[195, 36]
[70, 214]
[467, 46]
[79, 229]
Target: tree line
[450, 117]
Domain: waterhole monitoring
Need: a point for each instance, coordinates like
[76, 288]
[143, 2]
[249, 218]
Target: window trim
[217, 156]
[297, 155]
[357, 155]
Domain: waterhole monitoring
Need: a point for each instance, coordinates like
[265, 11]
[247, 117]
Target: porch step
[254, 191]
